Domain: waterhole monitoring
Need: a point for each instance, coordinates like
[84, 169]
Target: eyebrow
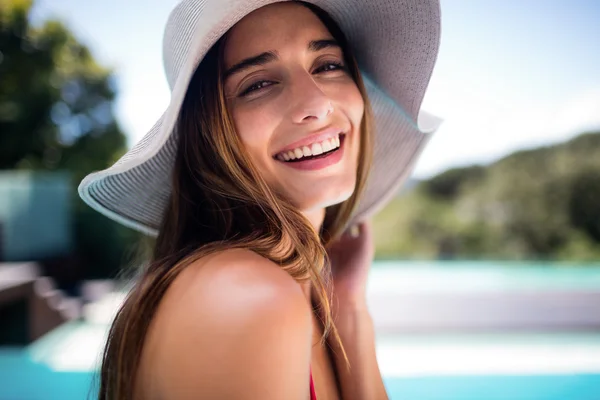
[272, 55]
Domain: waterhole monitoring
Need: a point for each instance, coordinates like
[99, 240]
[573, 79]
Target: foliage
[56, 113]
[540, 203]
[584, 203]
[448, 184]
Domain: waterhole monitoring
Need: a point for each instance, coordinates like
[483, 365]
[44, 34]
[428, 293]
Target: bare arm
[239, 328]
[351, 258]
[363, 381]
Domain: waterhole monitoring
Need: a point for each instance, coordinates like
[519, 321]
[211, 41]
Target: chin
[322, 200]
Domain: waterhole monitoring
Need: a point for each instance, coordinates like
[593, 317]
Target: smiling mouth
[312, 152]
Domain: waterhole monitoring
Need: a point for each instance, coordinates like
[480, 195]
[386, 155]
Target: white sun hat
[395, 43]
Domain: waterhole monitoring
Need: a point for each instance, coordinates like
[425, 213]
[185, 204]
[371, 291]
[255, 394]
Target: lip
[317, 137]
[319, 163]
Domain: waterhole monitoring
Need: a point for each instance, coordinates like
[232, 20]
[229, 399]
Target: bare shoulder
[231, 325]
[234, 281]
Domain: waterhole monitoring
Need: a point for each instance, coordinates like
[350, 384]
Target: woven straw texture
[396, 44]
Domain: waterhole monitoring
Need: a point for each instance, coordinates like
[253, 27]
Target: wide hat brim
[396, 45]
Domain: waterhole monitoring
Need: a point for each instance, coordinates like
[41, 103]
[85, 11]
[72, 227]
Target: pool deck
[77, 346]
[413, 296]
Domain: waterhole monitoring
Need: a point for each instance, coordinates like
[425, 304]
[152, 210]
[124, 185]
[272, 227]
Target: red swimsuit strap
[313, 394]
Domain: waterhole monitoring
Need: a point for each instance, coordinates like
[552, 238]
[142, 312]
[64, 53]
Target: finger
[362, 228]
[365, 227]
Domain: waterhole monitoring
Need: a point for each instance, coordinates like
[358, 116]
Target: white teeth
[313, 150]
[316, 149]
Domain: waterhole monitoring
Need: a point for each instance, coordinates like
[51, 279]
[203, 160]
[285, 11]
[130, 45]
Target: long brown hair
[219, 201]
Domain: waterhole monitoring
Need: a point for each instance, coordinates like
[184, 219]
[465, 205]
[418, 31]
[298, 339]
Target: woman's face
[296, 109]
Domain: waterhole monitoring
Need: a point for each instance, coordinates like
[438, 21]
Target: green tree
[448, 184]
[584, 203]
[539, 203]
[56, 113]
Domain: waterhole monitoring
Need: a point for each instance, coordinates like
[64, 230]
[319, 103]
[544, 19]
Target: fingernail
[354, 231]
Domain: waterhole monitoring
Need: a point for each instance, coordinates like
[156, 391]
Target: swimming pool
[505, 387]
[491, 366]
[544, 365]
[541, 366]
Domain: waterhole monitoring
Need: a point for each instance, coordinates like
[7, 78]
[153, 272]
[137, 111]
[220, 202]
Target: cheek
[356, 106]
[254, 128]
[351, 103]
[353, 106]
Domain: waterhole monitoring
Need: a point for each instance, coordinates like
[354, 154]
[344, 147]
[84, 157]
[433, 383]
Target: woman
[262, 161]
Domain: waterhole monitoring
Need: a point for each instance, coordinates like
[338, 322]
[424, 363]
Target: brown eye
[326, 67]
[256, 86]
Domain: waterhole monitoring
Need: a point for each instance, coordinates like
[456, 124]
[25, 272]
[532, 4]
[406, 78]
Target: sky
[510, 74]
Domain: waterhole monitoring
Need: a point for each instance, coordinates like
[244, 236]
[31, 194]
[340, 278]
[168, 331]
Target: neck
[316, 218]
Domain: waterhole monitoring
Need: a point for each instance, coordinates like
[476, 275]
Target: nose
[311, 104]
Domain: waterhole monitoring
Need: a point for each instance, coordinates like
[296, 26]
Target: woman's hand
[351, 257]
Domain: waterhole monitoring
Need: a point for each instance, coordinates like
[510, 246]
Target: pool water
[23, 379]
[496, 387]
[540, 366]
[482, 276]
[491, 366]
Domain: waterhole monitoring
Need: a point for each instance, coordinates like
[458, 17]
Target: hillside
[540, 203]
